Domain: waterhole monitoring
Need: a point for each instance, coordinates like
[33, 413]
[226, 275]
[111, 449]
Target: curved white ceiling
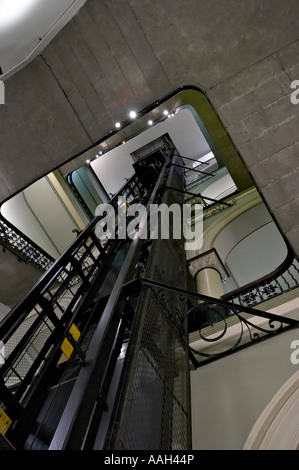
[27, 26]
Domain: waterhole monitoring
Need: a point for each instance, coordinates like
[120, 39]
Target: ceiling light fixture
[166, 112]
[117, 125]
[150, 123]
[133, 114]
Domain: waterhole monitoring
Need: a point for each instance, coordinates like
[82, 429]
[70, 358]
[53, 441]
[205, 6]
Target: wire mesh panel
[27, 355]
[156, 414]
[34, 330]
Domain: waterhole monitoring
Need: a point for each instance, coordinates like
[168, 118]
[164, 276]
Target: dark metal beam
[222, 303]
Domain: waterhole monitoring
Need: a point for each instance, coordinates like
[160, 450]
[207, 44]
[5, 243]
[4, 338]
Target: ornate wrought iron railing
[22, 247]
[214, 320]
[281, 281]
[163, 355]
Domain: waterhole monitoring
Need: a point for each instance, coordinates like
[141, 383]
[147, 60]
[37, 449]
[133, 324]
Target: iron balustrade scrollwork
[21, 246]
[283, 280]
[216, 207]
[223, 327]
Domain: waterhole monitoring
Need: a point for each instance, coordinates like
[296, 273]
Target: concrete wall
[4, 310]
[115, 56]
[17, 279]
[256, 109]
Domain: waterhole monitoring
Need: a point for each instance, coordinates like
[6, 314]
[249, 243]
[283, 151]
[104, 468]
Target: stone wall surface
[263, 123]
[115, 56]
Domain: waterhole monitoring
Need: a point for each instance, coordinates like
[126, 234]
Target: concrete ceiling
[114, 56]
[27, 26]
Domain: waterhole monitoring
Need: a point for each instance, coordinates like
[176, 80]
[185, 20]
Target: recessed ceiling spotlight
[117, 125]
[150, 123]
[133, 114]
[166, 112]
[87, 161]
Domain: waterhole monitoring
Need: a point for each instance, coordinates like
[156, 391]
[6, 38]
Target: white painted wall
[229, 395]
[257, 255]
[39, 213]
[220, 188]
[113, 167]
[17, 212]
[251, 246]
[51, 213]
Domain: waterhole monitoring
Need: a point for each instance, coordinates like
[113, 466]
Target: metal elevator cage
[97, 355]
[125, 384]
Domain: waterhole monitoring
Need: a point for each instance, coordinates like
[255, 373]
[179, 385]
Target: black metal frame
[79, 272]
[74, 273]
[232, 311]
[78, 420]
[281, 281]
[178, 296]
[194, 170]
